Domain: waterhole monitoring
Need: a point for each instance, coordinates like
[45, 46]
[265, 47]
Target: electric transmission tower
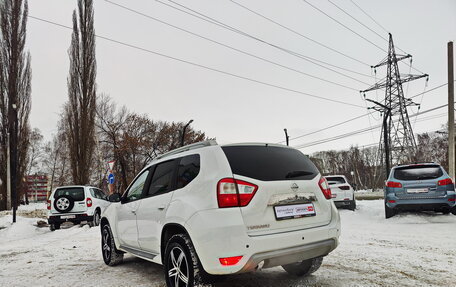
[397, 143]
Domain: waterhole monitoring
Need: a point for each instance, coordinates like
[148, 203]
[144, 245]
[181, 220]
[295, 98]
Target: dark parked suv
[423, 186]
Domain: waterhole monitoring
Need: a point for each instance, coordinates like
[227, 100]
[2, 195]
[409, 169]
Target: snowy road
[406, 250]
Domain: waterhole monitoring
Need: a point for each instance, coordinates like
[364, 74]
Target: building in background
[37, 187]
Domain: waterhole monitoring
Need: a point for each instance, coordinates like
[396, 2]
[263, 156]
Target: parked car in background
[76, 204]
[209, 209]
[422, 186]
[342, 192]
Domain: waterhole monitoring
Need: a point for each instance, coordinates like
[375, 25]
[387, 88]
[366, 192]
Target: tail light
[344, 187]
[393, 184]
[89, 202]
[228, 261]
[48, 204]
[324, 186]
[452, 199]
[391, 201]
[445, 181]
[235, 193]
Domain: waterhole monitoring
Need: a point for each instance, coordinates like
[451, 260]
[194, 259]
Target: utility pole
[398, 141]
[451, 151]
[287, 138]
[8, 173]
[13, 130]
[387, 111]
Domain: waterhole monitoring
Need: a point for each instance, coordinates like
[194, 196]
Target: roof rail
[188, 147]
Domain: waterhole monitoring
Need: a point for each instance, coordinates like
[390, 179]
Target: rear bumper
[438, 203]
[213, 240]
[290, 255]
[343, 203]
[57, 219]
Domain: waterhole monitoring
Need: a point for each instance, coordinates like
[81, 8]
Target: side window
[135, 190]
[100, 194]
[93, 193]
[162, 178]
[189, 167]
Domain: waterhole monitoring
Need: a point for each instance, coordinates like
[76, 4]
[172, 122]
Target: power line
[332, 126]
[213, 21]
[359, 132]
[200, 65]
[361, 116]
[343, 25]
[230, 47]
[298, 33]
[365, 13]
[364, 130]
[354, 18]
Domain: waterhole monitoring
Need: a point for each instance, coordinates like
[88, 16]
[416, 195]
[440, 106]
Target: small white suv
[206, 209]
[76, 204]
[342, 192]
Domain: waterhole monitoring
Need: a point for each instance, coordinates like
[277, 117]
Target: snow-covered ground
[406, 250]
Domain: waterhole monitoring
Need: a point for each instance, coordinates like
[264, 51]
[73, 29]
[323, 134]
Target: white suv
[76, 204]
[209, 209]
[342, 192]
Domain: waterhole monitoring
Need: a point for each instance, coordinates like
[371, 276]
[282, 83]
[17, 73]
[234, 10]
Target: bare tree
[134, 140]
[56, 158]
[80, 110]
[35, 151]
[15, 91]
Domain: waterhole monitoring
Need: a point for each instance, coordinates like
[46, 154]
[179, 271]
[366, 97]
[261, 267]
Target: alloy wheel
[106, 244]
[63, 203]
[179, 272]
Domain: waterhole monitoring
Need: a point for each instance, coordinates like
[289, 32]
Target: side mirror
[115, 197]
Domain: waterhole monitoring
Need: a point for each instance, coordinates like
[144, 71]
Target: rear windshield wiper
[297, 173]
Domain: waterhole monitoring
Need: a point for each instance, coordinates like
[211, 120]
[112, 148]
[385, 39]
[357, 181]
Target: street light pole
[183, 131]
[13, 129]
[287, 138]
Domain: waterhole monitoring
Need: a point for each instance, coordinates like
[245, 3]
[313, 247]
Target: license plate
[294, 211]
[67, 216]
[417, 190]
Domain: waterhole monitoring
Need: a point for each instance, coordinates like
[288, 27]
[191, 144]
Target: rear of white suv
[342, 192]
[247, 206]
[76, 204]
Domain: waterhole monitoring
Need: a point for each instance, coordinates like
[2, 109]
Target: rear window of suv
[269, 163]
[76, 193]
[335, 180]
[418, 172]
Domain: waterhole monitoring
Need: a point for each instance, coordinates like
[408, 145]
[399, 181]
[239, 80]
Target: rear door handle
[133, 211]
[161, 207]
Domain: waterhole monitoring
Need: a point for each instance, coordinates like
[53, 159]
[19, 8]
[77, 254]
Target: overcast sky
[234, 109]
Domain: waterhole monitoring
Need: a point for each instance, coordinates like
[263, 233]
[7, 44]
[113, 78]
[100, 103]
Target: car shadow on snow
[274, 277]
[144, 270]
[420, 217]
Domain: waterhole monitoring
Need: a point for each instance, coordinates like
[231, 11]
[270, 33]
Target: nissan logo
[294, 187]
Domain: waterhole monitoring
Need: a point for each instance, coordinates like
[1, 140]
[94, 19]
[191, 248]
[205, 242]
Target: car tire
[96, 219]
[54, 226]
[304, 268]
[111, 256]
[63, 203]
[352, 206]
[389, 212]
[181, 263]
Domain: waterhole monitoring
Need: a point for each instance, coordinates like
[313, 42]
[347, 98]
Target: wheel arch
[168, 231]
